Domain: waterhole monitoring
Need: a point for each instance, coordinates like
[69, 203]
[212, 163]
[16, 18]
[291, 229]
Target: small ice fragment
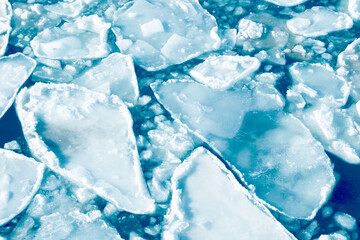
[87, 137]
[113, 75]
[248, 29]
[222, 72]
[287, 3]
[13, 145]
[20, 178]
[319, 21]
[345, 220]
[15, 70]
[152, 27]
[209, 203]
[84, 38]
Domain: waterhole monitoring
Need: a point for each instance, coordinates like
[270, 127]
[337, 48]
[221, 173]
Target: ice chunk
[113, 75]
[354, 9]
[20, 178]
[287, 3]
[338, 130]
[248, 29]
[319, 21]
[15, 70]
[209, 203]
[172, 32]
[5, 28]
[345, 220]
[70, 8]
[272, 150]
[84, 38]
[222, 72]
[87, 137]
[319, 83]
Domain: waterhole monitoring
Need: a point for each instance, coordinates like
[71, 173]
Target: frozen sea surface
[179, 119]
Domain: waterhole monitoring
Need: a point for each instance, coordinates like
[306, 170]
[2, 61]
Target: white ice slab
[287, 3]
[87, 137]
[209, 203]
[272, 150]
[354, 9]
[14, 71]
[337, 129]
[5, 24]
[319, 21]
[20, 178]
[319, 83]
[113, 75]
[84, 38]
[166, 32]
[222, 72]
[70, 8]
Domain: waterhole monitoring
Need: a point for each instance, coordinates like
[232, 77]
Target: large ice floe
[208, 202]
[266, 146]
[86, 137]
[20, 178]
[171, 33]
[15, 70]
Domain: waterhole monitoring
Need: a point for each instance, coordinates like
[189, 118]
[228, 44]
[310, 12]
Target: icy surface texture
[5, 28]
[319, 21]
[17, 187]
[262, 143]
[208, 202]
[86, 37]
[54, 214]
[171, 33]
[87, 137]
[113, 75]
[14, 71]
[222, 72]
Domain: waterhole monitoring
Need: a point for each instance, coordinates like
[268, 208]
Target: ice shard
[20, 179]
[86, 137]
[86, 37]
[172, 32]
[15, 70]
[209, 203]
[113, 75]
[271, 150]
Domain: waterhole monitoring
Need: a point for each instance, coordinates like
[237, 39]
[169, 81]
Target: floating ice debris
[87, 137]
[354, 9]
[113, 75]
[5, 28]
[70, 8]
[14, 71]
[349, 66]
[222, 72]
[346, 221]
[287, 3]
[17, 187]
[172, 32]
[209, 203]
[319, 83]
[319, 21]
[248, 29]
[272, 150]
[334, 236]
[13, 145]
[84, 38]
[338, 130]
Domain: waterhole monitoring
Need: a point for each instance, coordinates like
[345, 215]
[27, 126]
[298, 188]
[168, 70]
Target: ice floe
[113, 75]
[222, 72]
[5, 27]
[319, 21]
[86, 37]
[208, 202]
[20, 178]
[249, 130]
[171, 33]
[87, 137]
[15, 70]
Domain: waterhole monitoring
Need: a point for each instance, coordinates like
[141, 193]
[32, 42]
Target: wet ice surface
[179, 119]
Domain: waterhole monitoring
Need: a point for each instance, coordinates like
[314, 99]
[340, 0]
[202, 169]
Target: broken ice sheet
[14, 71]
[319, 21]
[86, 137]
[222, 72]
[20, 178]
[113, 75]
[162, 33]
[273, 151]
[5, 28]
[209, 203]
[86, 37]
